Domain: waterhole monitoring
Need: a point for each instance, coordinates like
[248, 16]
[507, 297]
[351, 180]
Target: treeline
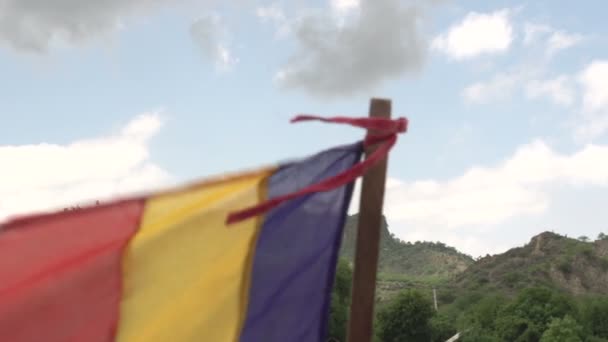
[414, 259]
[438, 246]
[536, 314]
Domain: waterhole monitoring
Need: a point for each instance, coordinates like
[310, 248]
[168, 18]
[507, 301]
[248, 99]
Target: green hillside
[552, 289]
[406, 260]
[549, 259]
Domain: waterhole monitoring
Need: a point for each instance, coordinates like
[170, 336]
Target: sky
[507, 103]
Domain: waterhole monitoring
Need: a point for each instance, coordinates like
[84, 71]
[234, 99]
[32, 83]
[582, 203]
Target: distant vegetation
[340, 302]
[550, 260]
[414, 260]
[553, 289]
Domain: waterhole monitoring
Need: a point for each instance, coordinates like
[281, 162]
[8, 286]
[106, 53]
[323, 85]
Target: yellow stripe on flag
[185, 274]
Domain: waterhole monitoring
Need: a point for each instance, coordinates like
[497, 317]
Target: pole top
[381, 99]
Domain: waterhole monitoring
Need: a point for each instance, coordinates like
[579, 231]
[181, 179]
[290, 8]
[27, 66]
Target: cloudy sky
[507, 101]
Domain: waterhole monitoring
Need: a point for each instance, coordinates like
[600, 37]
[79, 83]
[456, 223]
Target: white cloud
[344, 5]
[594, 79]
[33, 25]
[528, 80]
[477, 34]
[500, 87]
[532, 32]
[337, 58]
[48, 176]
[211, 36]
[484, 197]
[560, 90]
[272, 12]
[529, 76]
[560, 40]
[344, 11]
[589, 128]
[275, 15]
[594, 113]
[553, 39]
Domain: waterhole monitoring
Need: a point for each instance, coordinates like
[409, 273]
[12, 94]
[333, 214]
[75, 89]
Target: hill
[550, 286]
[549, 259]
[406, 260]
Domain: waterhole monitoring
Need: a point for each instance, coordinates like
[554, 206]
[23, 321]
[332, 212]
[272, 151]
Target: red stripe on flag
[60, 275]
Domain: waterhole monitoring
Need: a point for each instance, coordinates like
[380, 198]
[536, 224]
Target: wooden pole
[361, 321]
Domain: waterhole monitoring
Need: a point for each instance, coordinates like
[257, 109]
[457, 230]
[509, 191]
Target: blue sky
[507, 102]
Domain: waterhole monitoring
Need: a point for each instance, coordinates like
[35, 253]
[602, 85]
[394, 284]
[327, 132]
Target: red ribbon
[384, 132]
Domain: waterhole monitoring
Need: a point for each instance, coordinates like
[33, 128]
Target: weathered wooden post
[360, 326]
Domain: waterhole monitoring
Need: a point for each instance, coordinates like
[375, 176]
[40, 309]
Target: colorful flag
[166, 267]
[250, 257]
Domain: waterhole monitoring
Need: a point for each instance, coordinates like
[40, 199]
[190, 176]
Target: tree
[340, 302]
[407, 318]
[595, 316]
[484, 313]
[563, 330]
[442, 327]
[511, 326]
[530, 314]
[596, 339]
[476, 334]
[602, 236]
[583, 238]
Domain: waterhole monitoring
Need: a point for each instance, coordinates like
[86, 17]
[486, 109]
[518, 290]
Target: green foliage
[517, 296]
[418, 260]
[602, 236]
[476, 334]
[512, 327]
[484, 313]
[468, 299]
[535, 314]
[340, 302]
[528, 316]
[446, 297]
[596, 339]
[594, 312]
[407, 318]
[512, 279]
[563, 330]
[587, 252]
[442, 326]
[549, 260]
[603, 263]
[565, 265]
[404, 278]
